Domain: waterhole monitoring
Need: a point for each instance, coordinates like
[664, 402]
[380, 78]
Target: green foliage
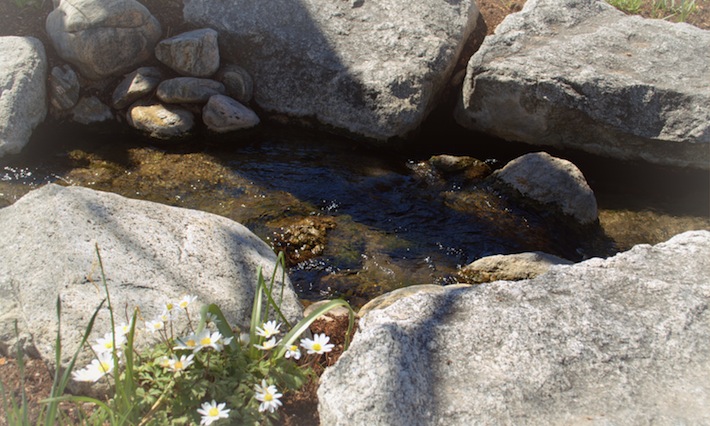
[628, 6]
[150, 389]
[678, 10]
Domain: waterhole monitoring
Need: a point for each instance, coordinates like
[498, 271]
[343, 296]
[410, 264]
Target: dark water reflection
[387, 225]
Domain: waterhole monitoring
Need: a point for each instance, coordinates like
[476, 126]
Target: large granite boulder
[103, 38]
[373, 68]
[150, 252]
[23, 93]
[624, 340]
[581, 74]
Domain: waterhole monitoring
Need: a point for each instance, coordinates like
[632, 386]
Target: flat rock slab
[374, 68]
[624, 340]
[151, 253]
[581, 74]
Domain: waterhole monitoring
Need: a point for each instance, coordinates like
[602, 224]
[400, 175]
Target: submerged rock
[583, 75]
[23, 93]
[624, 340]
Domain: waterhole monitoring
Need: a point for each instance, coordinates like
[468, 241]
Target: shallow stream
[359, 220]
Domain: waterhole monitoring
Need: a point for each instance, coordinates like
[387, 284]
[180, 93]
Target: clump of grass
[676, 10]
[679, 9]
[629, 6]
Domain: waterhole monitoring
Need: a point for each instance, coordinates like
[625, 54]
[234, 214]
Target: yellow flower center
[317, 347]
[178, 365]
[293, 348]
[206, 341]
[108, 345]
[268, 397]
[169, 306]
[214, 412]
[191, 343]
[183, 305]
[104, 367]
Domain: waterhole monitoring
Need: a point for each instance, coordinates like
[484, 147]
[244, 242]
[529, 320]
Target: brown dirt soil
[300, 408]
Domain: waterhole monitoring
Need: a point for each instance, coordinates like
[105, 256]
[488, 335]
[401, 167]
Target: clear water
[382, 223]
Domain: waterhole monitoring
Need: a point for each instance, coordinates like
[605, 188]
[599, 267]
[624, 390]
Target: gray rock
[103, 38]
[194, 53]
[63, 88]
[90, 110]
[580, 74]
[135, 85]
[189, 90]
[223, 114]
[150, 252]
[238, 82]
[23, 93]
[509, 267]
[624, 340]
[161, 121]
[550, 180]
[375, 70]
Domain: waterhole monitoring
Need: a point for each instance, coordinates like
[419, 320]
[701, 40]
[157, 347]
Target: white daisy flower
[268, 344]
[180, 364]
[293, 352]
[207, 339]
[96, 370]
[268, 395]
[105, 344]
[186, 301]
[318, 345]
[156, 325]
[212, 412]
[268, 329]
[188, 343]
